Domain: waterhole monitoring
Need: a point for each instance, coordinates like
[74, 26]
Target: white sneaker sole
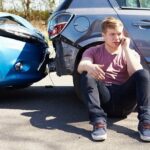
[144, 138]
[99, 138]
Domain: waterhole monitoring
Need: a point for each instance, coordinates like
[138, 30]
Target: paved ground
[52, 118]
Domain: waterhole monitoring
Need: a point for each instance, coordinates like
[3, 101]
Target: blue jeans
[117, 100]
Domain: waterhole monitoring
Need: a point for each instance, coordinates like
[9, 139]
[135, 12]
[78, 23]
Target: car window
[145, 3]
[89, 4]
[4, 21]
[63, 4]
[134, 3]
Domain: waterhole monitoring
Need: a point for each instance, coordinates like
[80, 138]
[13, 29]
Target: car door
[135, 14]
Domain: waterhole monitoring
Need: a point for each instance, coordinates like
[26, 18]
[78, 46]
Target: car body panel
[91, 16]
[21, 43]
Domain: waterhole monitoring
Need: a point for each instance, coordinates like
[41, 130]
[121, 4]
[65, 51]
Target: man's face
[113, 37]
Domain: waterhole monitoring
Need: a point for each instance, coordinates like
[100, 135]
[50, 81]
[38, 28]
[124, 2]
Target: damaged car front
[23, 52]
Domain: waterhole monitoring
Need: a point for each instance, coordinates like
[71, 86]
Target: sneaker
[144, 131]
[99, 132]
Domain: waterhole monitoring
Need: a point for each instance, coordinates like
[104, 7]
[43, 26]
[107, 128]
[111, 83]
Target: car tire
[76, 75]
[20, 86]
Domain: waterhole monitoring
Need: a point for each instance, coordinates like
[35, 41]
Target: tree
[51, 4]
[1, 5]
[26, 7]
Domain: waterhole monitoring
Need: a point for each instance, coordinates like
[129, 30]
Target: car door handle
[142, 24]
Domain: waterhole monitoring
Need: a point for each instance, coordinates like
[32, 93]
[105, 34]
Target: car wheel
[76, 75]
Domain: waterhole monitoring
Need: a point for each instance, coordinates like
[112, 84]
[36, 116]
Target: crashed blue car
[23, 52]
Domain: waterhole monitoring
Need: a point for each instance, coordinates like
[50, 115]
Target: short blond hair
[110, 22]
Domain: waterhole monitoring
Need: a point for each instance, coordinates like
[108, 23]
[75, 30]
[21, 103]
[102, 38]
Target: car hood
[16, 27]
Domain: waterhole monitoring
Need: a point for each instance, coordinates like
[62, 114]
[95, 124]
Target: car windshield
[7, 21]
[134, 3]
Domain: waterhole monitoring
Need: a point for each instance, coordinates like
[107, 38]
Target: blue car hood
[21, 28]
[20, 42]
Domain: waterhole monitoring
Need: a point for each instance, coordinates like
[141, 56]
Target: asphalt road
[49, 116]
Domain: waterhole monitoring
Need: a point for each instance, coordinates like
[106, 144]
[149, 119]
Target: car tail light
[57, 24]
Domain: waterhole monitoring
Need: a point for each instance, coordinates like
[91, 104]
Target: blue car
[23, 52]
[75, 26]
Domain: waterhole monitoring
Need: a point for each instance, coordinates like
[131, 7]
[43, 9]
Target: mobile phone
[122, 41]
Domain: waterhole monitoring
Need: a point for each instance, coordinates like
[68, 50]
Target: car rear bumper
[65, 56]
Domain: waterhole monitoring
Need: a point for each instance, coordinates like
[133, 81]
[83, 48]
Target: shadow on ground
[54, 108]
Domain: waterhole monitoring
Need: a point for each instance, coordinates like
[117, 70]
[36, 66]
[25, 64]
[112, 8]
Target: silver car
[75, 26]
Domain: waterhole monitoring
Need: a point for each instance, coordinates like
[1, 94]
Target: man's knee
[142, 75]
[86, 77]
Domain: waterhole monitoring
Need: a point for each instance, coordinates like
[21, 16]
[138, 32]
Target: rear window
[63, 4]
[89, 4]
[134, 3]
[4, 21]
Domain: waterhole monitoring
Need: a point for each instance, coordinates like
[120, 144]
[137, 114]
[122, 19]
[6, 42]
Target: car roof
[65, 4]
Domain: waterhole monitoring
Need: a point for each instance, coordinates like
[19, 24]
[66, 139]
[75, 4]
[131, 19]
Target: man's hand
[96, 71]
[125, 43]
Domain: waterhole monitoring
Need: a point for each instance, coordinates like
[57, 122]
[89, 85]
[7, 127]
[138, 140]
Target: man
[113, 81]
